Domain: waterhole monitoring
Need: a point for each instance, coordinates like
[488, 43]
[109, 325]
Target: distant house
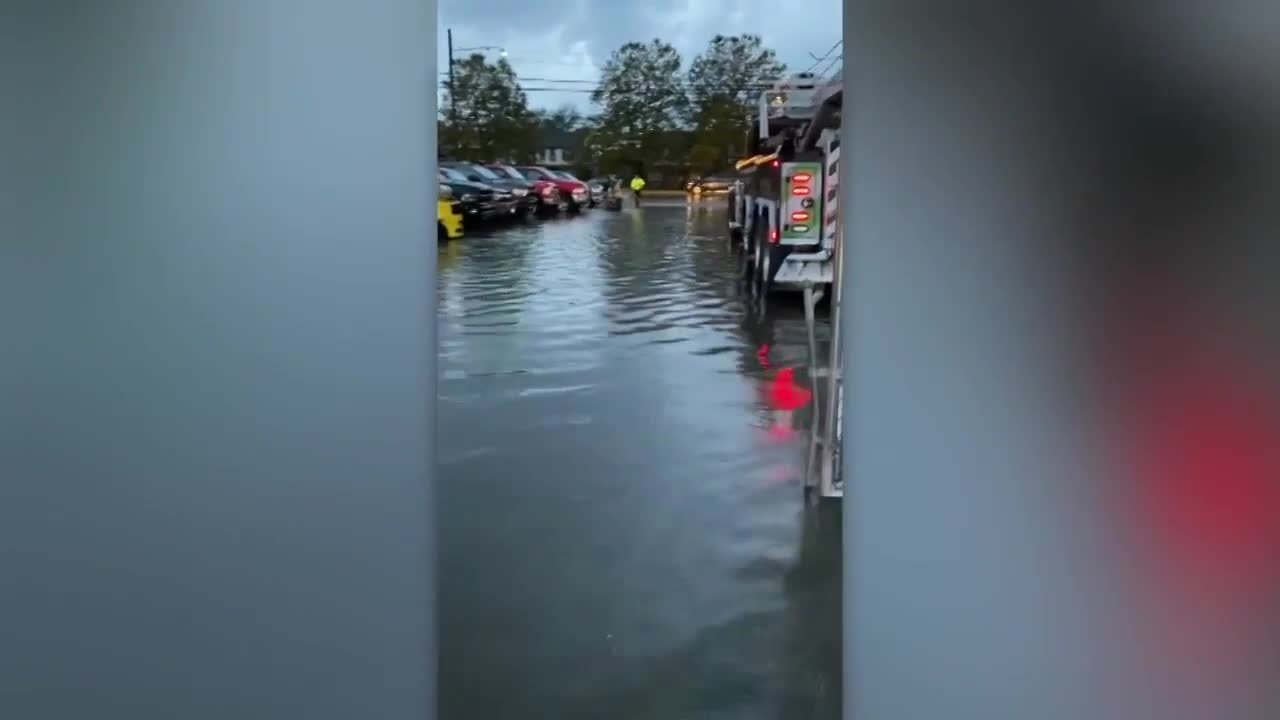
[560, 148]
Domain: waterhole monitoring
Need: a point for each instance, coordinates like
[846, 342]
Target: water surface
[619, 536]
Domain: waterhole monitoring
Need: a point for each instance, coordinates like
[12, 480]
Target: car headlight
[446, 193]
[519, 192]
[468, 197]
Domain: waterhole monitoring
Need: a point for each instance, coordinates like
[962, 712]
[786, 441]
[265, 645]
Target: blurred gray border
[848, 271]
[217, 359]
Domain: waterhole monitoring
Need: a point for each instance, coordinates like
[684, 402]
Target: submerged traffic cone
[785, 395]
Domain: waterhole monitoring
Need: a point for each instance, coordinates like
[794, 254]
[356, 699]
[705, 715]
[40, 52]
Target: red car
[575, 191]
[550, 198]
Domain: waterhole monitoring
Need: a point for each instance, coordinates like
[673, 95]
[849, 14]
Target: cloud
[570, 40]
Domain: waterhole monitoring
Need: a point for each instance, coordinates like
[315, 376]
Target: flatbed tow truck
[784, 216]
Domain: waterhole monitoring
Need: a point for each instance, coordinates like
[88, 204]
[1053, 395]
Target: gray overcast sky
[570, 39]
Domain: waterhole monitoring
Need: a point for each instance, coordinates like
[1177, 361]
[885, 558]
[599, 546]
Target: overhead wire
[819, 60]
[596, 82]
[831, 65]
[571, 89]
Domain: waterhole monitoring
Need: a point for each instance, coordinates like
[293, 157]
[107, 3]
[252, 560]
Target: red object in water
[763, 356]
[784, 394]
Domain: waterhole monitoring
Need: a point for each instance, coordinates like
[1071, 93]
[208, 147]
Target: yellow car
[449, 217]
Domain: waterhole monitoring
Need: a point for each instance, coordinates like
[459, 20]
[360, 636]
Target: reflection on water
[619, 538]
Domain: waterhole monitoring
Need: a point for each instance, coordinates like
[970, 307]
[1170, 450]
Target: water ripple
[615, 529]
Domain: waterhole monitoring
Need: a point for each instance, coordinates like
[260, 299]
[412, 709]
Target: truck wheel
[750, 253]
[773, 259]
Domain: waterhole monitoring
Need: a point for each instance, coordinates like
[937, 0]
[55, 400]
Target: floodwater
[620, 536]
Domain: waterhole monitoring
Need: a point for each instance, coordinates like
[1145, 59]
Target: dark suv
[526, 198]
[479, 201]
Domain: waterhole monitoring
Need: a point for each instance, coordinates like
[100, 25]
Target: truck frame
[784, 215]
[783, 210]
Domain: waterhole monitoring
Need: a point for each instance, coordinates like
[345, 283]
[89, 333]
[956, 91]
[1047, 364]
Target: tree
[724, 85]
[565, 118]
[486, 114]
[642, 100]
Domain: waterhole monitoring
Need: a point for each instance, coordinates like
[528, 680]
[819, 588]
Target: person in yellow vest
[637, 185]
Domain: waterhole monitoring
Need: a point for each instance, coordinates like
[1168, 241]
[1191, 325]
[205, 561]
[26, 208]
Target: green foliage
[653, 118]
[486, 115]
[642, 100]
[724, 85]
[565, 118]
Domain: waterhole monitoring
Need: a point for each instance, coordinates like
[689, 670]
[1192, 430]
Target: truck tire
[773, 259]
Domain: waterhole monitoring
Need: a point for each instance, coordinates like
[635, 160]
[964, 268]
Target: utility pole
[453, 103]
[453, 99]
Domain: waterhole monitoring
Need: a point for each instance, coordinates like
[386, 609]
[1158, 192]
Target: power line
[597, 82]
[560, 89]
[830, 65]
[818, 60]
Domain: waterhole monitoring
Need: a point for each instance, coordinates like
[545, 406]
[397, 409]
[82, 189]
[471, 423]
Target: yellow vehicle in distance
[448, 216]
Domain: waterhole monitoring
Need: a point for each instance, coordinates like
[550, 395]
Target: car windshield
[507, 171]
[534, 173]
[565, 176]
[484, 172]
[451, 174]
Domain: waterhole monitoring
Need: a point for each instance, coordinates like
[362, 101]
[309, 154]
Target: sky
[562, 45]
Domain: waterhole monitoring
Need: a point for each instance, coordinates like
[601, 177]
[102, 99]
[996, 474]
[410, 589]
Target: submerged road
[620, 537]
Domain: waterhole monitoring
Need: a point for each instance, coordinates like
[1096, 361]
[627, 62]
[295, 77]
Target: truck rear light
[800, 228]
[800, 190]
[799, 217]
[773, 236]
[802, 177]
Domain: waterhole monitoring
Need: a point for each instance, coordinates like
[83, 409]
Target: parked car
[526, 199]
[448, 216]
[550, 198]
[595, 193]
[599, 187]
[479, 202]
[574, 191]
[709, 186]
